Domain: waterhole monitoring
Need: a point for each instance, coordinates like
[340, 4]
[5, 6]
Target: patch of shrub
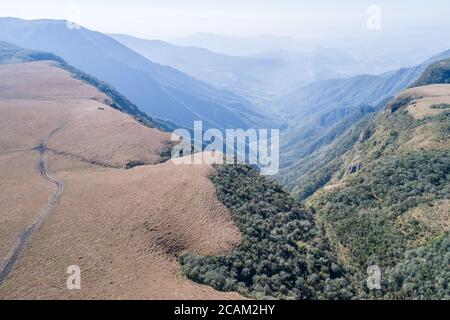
[283, 254]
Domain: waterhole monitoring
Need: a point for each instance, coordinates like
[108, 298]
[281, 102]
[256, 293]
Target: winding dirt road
[124, 228]
[26, 235]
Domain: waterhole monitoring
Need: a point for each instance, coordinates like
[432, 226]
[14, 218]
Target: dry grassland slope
[124, 228]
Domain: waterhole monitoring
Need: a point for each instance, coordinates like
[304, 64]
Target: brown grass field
[428, 96]
[124, 228]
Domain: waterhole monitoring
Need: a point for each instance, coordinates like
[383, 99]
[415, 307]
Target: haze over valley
[100, 173]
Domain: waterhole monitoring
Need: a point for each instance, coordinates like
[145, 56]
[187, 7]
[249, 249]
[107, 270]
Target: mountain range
[87, 178]
[260, 77]
[84, 182]
[159, 91]
[387, 204]
[320, 118]
[237, 46]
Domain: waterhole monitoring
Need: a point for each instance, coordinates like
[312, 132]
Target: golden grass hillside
[124, 228]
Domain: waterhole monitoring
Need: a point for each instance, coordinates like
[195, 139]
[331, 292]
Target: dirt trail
[124, 228]
[26, 235]
[15, 151]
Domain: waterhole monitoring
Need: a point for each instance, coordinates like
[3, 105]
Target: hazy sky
[164, 19]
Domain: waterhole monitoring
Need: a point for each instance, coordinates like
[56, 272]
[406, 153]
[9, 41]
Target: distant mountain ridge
[321, 120]
[352, 92]
[10, 53]
[237, 46]
[158, 90]
[386, 203]
[243, 75]
[260, 78]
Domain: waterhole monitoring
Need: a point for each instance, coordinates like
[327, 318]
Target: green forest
[283, 255]
[387, 205]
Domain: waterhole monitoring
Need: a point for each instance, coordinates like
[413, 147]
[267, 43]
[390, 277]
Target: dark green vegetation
[398, 102]
[372, 201]
[324, 118]
[283, 254]
[376, 186]
[386, 203]
[438, 72]
[319, 156]
[324, 121]
[394, 211]
[441, 106]
[424, 273]
[12, 54]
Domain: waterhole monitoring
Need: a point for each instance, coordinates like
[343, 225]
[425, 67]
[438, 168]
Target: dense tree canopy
[283, 254]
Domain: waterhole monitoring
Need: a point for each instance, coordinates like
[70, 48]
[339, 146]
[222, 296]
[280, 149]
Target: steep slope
[311, 160]
[388, 204]
[67, 198]
[344, 93]
[438, 72]
[159, 91]
[321, 124]
[10, 53]
[283, 255]
[321, 97]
